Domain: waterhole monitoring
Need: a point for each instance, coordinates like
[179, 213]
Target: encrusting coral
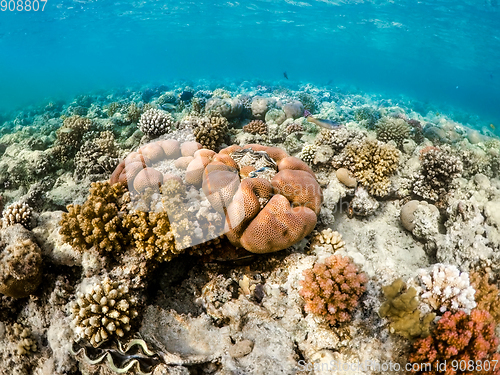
[96, 223]
[155, 122]
[332, 289]
[103, 312]
[17, 213]
[465, 343]
[401, 308]
[444, 287]
[438, 169]
[372, 162]
[20, 262]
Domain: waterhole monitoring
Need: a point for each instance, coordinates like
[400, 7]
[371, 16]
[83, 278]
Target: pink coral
[332, 289]
[457, 339]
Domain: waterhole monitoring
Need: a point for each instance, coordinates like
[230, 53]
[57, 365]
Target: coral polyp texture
[256, 127]
[392, 129]
[270, 199]
[332, 289]
[17, 213]
[439, 167]
[155, 122]
[104, 312]
[467, 343]
[372, 162]
[211, 131]
[96, 223]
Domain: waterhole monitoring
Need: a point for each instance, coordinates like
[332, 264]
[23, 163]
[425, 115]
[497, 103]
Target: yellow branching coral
[372, 163]
[487, 294]
[401, 308]
[97, 222]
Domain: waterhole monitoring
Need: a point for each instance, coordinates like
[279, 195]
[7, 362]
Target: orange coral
[332, 289]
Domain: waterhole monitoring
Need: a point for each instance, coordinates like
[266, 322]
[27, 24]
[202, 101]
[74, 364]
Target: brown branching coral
[103, 312]
[97, 157]
[70, 137]
[256, 127]
[96, 223]
[210, 132]
[438, 169]
[332, 289]
[372, 163]
[487, 294]
[466, 343]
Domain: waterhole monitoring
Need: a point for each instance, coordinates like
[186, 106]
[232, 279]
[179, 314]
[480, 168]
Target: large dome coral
[270, 199]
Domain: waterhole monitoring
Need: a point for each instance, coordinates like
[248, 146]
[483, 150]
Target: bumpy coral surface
[328, 237]
[444, 288]
[17, 213]
[274, 206]
[155, 122]
[466, 342]
[210, 132]
[487, 294]
[438, 169]
[372, 163]
[96, 223]
[332, 289]
[256, 127]
[392, 129]
[105, 311]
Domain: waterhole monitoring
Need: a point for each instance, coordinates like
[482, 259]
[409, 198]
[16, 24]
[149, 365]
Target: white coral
[154, 122]
[444, 288]
[17, 213]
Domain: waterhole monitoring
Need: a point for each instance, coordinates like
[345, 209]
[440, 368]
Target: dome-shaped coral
[274, 206]
[155, 122]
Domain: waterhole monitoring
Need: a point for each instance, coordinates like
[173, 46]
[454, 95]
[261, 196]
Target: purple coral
[332, 289]
[461, 340]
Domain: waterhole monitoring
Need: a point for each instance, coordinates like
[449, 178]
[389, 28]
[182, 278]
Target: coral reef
[367, 116]
[467, 343]
[225, 107]
[20, 262]
[71, 136]
[328, 237]
[97, 157]
[445, 288]
[256, 127]
[372, 163]
[25, 344]
[96, 223]
[392, 129]
[103, 312]
[211, 132]
[155, 122]
[487, 294]
[420, 218]
[438, 169]
[401, 309]
[332, 289]
[17, 213]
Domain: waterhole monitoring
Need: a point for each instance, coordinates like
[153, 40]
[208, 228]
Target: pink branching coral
[466, 342]
[332, 289]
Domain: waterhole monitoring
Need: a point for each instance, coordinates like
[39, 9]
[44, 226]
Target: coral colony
[204, 229]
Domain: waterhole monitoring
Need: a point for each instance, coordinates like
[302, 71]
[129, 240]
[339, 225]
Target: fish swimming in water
[327, 124]
[285, 75]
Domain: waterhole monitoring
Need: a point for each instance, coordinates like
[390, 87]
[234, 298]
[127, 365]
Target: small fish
[492, 126]
[285, 75]
[327, 124]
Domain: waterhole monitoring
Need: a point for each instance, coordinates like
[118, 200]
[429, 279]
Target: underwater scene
[249, 187]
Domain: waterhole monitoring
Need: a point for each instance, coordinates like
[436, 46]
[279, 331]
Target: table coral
[103, 312]
[332, 289]
[438, 169]
[263, 214]
[96, 223]
[466, 343]
[372, 163]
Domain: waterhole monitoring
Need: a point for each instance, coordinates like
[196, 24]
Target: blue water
[445, 53]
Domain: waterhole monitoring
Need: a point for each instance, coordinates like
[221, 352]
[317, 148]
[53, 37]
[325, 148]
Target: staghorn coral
[256, 127]
[466, 343]
[20, 262]
[392, 129]
[332, 289]
[401, 309]
[155, 122]
[267, 211]
[103, 312]
[438, 169]
[17, 213]
[210, 132]
[97, 222]
[487, 294]
[444, 287]
[372, 163]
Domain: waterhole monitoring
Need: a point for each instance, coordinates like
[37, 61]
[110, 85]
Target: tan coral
[255, 219]
[189, 148]
[153, 151]
[328, 237]
[148, 178]
[171, 148]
